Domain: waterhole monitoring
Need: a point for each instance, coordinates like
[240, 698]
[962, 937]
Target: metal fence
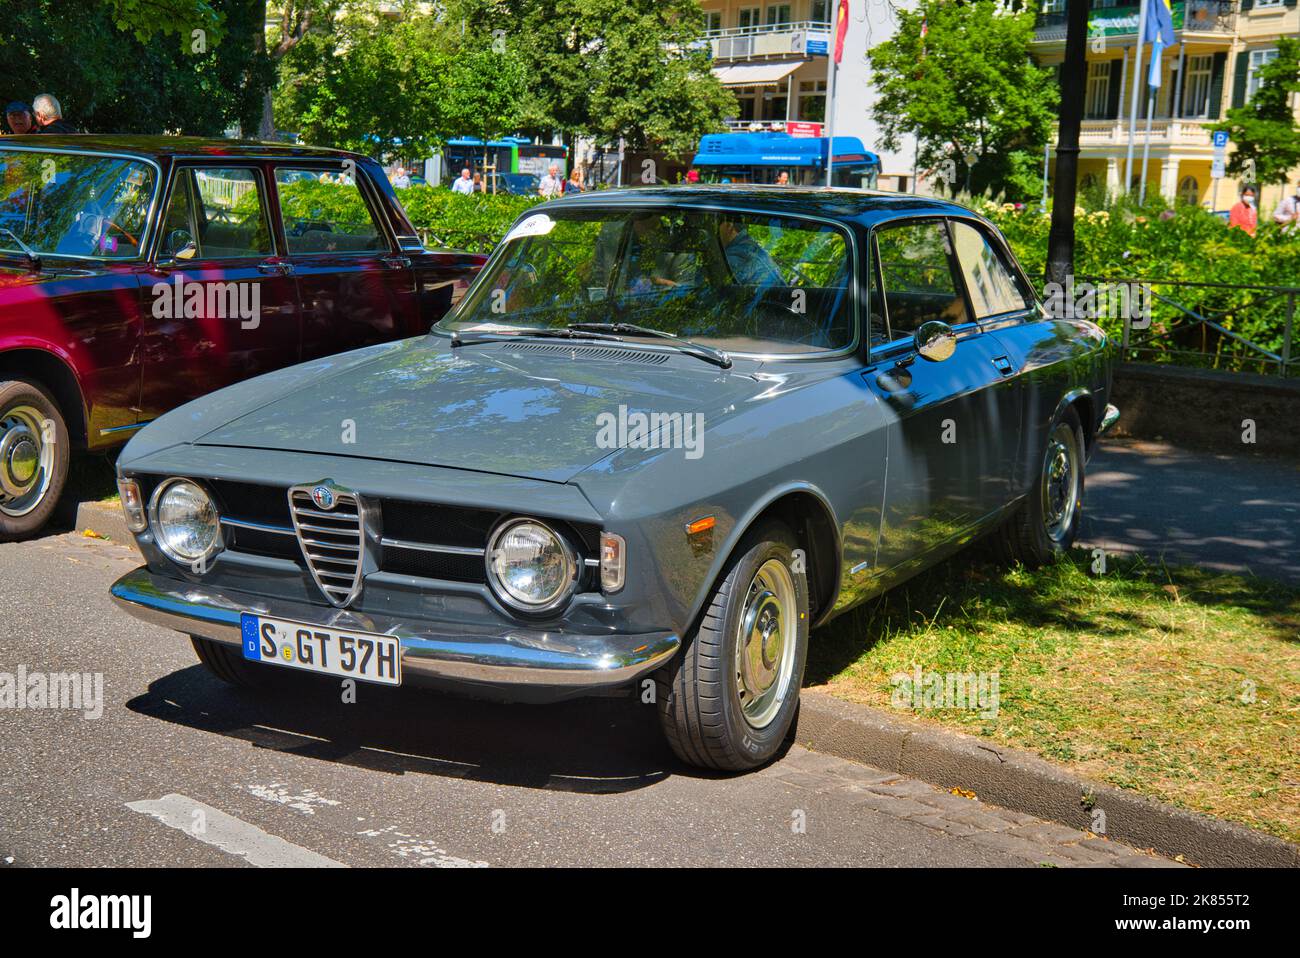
[1192, 324]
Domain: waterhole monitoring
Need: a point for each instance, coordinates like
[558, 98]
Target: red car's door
[355, 284]
[223, 305]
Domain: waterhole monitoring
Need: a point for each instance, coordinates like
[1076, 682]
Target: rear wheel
[729, 700]
[227, 663]
[1047, 522]
[33, 458]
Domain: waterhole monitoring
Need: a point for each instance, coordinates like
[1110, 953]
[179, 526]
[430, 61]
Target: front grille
[438, 524]
[425, 564]
[426, 540]
[331, 541]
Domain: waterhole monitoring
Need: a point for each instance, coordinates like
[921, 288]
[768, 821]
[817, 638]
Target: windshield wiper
[494, 336]
[32, 257]
[707, 353]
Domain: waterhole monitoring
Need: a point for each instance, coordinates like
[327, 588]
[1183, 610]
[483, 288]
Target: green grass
[1179, 683]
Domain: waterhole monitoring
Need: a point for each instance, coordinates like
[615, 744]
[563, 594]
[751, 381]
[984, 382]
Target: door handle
[396, 262]
[272, 266]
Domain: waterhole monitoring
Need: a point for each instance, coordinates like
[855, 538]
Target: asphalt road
[1234, 513]
[181, 770]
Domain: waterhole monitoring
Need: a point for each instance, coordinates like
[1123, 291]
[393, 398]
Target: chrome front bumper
[526, 663]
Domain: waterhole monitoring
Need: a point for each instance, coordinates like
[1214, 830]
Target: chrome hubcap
[765, 643]
[1060, 482]
[26, 460]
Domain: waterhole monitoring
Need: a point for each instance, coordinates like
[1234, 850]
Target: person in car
[750, 264]
[19, 117]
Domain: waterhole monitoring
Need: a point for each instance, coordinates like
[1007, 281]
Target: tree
[137, 68]
[284, 25]
[369, 83]
[609, 69]
[1264, 131]
[969, 88]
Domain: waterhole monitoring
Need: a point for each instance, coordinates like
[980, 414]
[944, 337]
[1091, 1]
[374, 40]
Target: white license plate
[365, 656]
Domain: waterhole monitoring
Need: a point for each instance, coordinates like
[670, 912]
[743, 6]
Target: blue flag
[1160, 33]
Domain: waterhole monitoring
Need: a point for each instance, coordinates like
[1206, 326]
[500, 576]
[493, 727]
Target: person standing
[49, 115]
[783, 178]
[463, 184]
[551, 184]
[574, 184]
[19, 117]
[1287, 214]
[1243, 215]
[402, 180]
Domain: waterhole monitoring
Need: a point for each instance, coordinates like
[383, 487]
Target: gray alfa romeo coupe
[665, 434]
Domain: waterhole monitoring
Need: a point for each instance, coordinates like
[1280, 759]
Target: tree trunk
[1060, 239]
[266, 129]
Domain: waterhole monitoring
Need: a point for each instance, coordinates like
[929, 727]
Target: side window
[324, 213]
[918, 278]
[229, 214]
[993, 290]
[178, 225]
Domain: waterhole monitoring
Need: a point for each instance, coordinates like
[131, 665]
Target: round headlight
[530, 566]
[185, 521]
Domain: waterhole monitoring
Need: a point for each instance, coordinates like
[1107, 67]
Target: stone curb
[1022, 782]
[105, 519]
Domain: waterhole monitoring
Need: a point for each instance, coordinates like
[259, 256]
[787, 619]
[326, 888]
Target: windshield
[73, 204]
[742, 282]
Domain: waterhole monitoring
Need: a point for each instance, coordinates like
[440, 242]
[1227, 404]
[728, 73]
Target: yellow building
[1213, 67]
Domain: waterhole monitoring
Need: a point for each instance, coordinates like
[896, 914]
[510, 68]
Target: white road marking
[419, 850]
[230, 834]
[278, 792]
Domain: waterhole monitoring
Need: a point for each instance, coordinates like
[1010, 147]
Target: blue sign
[1220, 138]
[816, 45]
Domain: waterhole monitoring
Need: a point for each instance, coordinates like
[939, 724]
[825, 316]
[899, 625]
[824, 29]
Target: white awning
[756, 74]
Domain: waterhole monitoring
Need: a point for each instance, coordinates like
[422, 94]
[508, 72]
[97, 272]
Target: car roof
[863, 206]
[155, 146]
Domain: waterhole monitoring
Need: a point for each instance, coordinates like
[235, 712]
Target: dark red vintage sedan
[137, 273]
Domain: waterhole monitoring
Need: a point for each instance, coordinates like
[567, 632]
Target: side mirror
[935, 341]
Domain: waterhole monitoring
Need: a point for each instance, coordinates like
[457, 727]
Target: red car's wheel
[33, 458]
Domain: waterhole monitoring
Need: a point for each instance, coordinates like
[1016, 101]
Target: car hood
[533, 409]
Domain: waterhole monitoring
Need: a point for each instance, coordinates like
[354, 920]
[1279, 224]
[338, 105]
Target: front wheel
[227, 663]
[729, 700]
[1046, 523]
[33, 458]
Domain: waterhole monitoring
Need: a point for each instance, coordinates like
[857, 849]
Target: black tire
[23, 514]
[1029, 537]
[227, 663]
[698, 695]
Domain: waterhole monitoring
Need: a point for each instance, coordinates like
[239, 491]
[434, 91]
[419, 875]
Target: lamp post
[1060, 238]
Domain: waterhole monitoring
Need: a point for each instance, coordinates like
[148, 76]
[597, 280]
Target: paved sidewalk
[1033, 841]
[1233, 513]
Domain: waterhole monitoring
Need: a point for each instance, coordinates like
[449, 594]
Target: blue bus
[510, 155]
[762, 157]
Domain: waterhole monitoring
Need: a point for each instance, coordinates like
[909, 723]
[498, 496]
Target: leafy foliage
[968, 88]
[135, 67]
[601, 68]
[1187, 243]
[1265, 131]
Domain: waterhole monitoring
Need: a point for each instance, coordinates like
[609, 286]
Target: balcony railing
[1180, 131]
[1210, 17]
[769, 40]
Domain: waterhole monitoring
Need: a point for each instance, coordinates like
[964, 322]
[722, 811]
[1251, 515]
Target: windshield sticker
[538, 225]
